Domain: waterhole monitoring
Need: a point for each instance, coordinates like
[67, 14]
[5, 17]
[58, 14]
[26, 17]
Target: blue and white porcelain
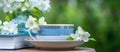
[56, 29]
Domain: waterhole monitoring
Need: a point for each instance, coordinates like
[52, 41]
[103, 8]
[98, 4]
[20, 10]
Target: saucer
[54, 42]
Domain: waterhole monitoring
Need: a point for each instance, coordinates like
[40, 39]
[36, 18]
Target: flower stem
[31, 34]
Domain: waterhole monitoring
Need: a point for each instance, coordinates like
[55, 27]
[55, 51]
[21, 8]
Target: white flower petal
[76, 37]
[30, 22]
[4, 32]
[19, 0]
[10, 5]
[32, 18]
[86, 39]
[9, 28]
[87, 34]
[73, 35]
[24, 8]
[80, 30]
[8, 1]
[81, 35]
[42, 21]
[5, 23]
[45, 5]
[35, 29]
[0, 22]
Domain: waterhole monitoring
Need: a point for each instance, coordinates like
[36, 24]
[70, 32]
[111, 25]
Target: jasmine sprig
[33, 25]
[80, 35]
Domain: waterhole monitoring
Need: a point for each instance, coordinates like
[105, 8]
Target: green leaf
[92, 39]
[14, 14]
[7, 18]
[35, 12]
[69, 38]
[37, 21]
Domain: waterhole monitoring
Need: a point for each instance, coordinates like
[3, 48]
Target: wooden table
[77, 49]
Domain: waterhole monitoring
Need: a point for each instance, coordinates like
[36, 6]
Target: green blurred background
[99, 17]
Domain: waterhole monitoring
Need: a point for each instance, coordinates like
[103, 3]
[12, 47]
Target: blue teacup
[56, 29]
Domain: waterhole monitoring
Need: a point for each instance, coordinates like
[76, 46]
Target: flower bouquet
[24, 19]
[21, 21]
